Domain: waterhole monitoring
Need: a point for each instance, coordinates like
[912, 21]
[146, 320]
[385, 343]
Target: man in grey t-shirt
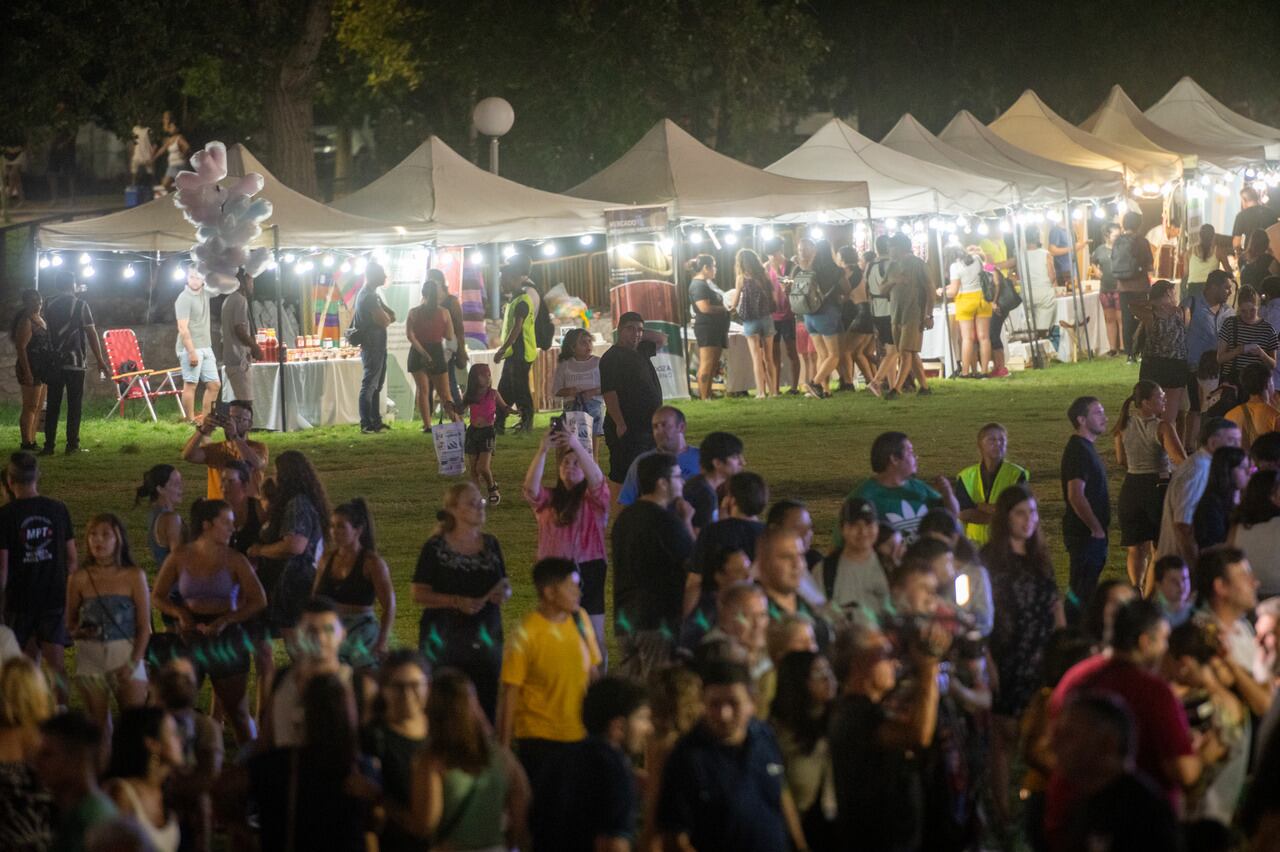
[194, 346]
[239, 347]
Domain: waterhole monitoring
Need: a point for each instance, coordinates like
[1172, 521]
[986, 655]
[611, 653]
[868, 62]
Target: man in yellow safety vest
[978, 486]
[519, 346]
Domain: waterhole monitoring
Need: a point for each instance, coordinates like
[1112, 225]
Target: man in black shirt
[652, 540]
[371, 317]
[1253, 216]
[780, 566]
[1088, 513]
[71, 331]
[629, 385]
[747, 497]
[586, 798]
[876, 756]
[1115, 807]
[37, 553]
[719, 457]
[722, 786]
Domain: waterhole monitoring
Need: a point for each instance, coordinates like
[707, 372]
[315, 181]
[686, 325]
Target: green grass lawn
[804, 448]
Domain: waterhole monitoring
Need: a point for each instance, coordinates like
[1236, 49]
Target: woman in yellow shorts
[972, 312]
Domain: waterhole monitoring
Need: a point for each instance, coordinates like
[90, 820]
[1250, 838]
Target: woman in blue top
[109, 616]
[162, 487]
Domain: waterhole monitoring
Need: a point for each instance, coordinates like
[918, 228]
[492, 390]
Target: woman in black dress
[710, 320]
[30, 337]
[461, 583]
[1028, 609]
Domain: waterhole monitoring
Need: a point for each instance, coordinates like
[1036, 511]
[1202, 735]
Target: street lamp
[493, 117]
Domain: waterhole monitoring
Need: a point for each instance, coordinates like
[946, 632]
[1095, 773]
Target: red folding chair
[137, 382]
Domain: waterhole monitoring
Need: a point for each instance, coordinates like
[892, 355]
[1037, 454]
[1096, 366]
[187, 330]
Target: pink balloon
[250, 184]
[188, 180]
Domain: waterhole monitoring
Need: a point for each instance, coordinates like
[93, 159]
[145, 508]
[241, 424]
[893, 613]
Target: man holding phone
[236, 419]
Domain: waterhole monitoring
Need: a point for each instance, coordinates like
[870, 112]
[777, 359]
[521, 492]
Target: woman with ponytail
[1203, 260]
[461, 583]
[162, 487]
[1148, 447]
[710, 319]
[353, 576]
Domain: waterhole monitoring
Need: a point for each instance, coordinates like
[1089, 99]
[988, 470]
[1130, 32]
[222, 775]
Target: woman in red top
[428, 326]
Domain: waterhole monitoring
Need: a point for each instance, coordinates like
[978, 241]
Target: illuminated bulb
[87, 271]
[953, 240]
[916, 226]
[666, 244]
[735, 227]
[586, 240]
[891, 224]
[507, 252]
[85, 259]
[548, 249]
[327, 261]
[1205, 180]
[766, 233]
[56, 261]
[477, 258]
[905, 228]
[271, 264]
[1260, 185]
[288, 258]
[935, 223]
[731, 239]
[950, 228]
[361, 265]
[1077, 214]
[1038, 218]
[696, 238]
[816, 233]
[983, 229]
[129, 271]
[178, 274]
[345, 267]
[1004, 226]
[44, 263]
[859, 230]
[1100, 213]
[1054, 216]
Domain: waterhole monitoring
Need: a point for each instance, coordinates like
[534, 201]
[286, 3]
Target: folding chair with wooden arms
[131, 377]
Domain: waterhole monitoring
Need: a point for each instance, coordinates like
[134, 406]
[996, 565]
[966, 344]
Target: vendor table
[1068, 311]
[317, 393]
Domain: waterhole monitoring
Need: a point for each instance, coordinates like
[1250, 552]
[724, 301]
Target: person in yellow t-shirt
[1257, 415]
[236, 424]
[547, 668]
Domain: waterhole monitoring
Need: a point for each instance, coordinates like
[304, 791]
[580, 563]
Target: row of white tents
[1029, 156]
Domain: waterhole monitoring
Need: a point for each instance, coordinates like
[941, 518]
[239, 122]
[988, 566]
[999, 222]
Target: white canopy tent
[1031, 125]
[669, 166]
[159, 226]
[436, 188]
[911, 137]
[1191, 112]
[1118, 119]
[900, 184]
[971, 136]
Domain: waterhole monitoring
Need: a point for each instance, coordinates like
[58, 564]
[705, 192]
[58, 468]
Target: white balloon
[258, 261]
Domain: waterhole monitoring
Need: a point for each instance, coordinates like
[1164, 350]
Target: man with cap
[519, 346]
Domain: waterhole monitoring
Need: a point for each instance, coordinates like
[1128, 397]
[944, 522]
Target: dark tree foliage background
[588, 77]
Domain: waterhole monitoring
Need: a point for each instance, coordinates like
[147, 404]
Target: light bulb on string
[477, 258]
[905, 229]
[85, 260]
[1100, 213]
[288, 258]
[766, 232]
[44, 263]
[327, 261]
[935, 223]
[56, 260]
[178, 274]
[731, 239]
[891, 224]
[586, 240]
[983, 229]
[361, 265]
[666, 244]
[345, 267]
[1205, 180]
[815, 232]
[1054, 216]
[1077, 214]
[695, 238]
[548, 249]
[87, 271]
[1004, 226]
[129, 272]
[508, 252]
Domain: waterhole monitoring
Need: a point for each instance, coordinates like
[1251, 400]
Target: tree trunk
[288, 102]
[343, 161]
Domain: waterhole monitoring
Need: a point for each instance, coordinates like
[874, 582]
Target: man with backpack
[71, 330]
[520, 340]
[1131, 263]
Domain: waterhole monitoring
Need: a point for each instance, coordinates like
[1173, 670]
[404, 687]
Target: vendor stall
[321, 392]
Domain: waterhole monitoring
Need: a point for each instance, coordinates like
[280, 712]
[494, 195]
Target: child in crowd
[577, 381]
[482, 401]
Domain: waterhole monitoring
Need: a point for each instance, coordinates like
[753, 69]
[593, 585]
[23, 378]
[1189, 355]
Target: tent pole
[950, 360]
[674, 231]
[1077, 279]
[280, 356]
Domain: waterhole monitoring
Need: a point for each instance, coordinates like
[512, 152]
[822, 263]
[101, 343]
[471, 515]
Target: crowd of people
[764, 694]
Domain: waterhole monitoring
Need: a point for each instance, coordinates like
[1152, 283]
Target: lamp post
[493, 117]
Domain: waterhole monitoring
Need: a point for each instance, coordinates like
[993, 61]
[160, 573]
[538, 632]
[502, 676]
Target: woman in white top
[176, 147]
[1037, 289]
[577, 381]
[972, 311]
[145, 749]
[1255, 529]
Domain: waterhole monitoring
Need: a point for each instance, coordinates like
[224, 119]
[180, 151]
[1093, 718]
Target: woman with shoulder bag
[753, 300]
[858, 341]
[972, 311]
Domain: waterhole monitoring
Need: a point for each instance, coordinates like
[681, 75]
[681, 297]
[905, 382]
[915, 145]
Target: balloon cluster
[227, 218]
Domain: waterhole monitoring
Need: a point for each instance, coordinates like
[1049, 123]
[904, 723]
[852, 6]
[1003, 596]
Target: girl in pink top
[572, 515]
[481, 401]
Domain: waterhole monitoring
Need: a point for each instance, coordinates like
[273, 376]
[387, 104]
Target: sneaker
[891, 394]
[924, 392]
[494, 497]
[814, 390]
[368, 430]
[73, 449]
[1000, 373]
[794, 391]
[29, 448]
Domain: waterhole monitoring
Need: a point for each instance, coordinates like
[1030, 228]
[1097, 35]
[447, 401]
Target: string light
[586, 240]
[983, 229]
[178, 273]
[44, 263]
[361, 265]
[1077, 214]
[1100, 213]
[548, 249]
[477, 258]
[666, 244]
[129, 272]
[1205, 180]
[288, 258]
[85, 260]
[56, 261]
[1054, 216]
[731, 239]
[327, 261]
[345, 267]
[891, 224]
[766, 232]
[696, 238]
[816, 233]
[87, 271]
[1004, 226]
[507, 252]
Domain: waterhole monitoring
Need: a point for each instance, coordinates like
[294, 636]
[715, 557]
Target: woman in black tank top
[354, 576]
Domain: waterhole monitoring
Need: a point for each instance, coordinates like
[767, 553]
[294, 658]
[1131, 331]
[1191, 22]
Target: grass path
[804, 448]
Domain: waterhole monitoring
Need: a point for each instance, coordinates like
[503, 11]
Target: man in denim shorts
[194, 346]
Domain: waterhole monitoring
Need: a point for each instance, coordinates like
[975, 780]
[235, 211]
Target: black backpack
[544, 330]
[1124, 263]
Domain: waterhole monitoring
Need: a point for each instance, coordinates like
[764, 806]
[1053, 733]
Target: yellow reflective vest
[971, 479]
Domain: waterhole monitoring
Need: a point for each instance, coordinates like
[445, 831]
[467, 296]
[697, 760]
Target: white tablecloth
[1068, 311]
[318, 393]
